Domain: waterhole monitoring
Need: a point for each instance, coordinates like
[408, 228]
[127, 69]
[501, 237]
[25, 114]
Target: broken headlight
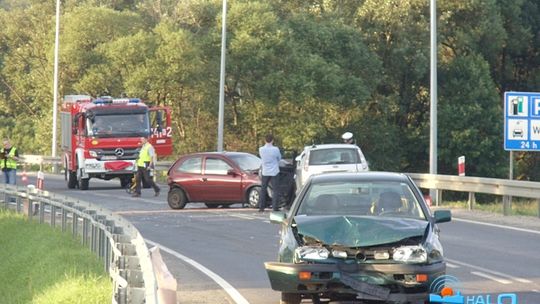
[311, 253]
[410, 254]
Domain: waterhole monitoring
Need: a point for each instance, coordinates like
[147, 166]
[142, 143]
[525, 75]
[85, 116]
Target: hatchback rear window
[191, 165]
[333, 156]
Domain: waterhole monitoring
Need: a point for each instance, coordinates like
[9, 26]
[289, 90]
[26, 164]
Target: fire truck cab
[101, 137]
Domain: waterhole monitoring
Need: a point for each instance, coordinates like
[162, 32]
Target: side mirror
[75, 123]
[159, 118]
[442, 216]
[232, 172]
[278, 217]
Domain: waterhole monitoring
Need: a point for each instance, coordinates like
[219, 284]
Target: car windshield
[118, 125]
[333, 156]
[247, 162]
[375, 198]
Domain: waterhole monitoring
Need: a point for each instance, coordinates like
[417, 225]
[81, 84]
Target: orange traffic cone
[40, 178]
[24, 177]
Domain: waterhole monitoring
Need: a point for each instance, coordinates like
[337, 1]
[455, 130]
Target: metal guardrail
[112, 238]
[504, 187]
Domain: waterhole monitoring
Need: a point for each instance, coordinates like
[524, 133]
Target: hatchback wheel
[176, 198]
[254, 197]
[290, 298]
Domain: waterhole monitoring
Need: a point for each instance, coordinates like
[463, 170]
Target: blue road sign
[521, 121]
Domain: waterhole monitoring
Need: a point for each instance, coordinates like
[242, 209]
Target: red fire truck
[101, 137]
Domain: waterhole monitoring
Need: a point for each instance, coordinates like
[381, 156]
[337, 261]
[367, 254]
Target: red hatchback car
[214, 178]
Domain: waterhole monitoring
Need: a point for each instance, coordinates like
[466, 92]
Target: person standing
[145, 162]
[8, 162]
[270, 157]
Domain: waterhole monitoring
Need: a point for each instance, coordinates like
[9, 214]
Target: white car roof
[330, 146]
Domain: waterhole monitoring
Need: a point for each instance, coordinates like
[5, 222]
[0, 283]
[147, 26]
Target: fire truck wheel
[71, 179]
[176, 198]
[84, 183]
[125, 182]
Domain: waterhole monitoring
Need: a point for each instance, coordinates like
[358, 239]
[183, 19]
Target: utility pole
[55, 81]
[222, 77]
[433, 98]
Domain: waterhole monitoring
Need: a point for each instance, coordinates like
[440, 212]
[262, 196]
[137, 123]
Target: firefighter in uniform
[145, 162]
[8, 162]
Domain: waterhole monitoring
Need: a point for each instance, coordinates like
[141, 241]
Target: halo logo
[446, 289]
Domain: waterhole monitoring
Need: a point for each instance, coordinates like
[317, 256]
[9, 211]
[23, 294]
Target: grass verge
[42, 265]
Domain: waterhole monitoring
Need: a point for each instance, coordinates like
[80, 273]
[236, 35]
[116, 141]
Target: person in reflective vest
[144, 163]
[8, 162]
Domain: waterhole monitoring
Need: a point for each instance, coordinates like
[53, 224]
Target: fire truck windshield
[118, 125]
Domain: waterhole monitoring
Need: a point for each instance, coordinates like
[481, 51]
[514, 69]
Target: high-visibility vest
[144, 155]
[9, 163]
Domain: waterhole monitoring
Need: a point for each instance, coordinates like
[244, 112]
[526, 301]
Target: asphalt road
[217, 255]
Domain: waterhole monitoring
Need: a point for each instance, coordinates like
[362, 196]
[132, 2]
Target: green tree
[87, 34]
[25, 75]
[470, 111]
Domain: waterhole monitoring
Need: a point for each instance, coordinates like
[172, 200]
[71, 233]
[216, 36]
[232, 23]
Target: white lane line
[451, 265]
[243, 216]
[487, 276]
[233, 293]
[500, 274]
[495, 225]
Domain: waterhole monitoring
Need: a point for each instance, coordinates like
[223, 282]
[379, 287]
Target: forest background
[305, 70]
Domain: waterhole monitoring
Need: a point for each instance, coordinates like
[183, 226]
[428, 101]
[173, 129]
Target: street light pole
[55, 81]
[433, 95]
[222, 77]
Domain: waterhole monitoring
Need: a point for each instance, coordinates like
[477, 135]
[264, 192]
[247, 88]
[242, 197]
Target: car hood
[358, 231]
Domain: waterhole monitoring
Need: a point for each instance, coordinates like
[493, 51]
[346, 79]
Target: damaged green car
[364, 237]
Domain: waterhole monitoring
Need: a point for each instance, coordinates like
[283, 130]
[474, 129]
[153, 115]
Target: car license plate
[366, 288]
[108, 157]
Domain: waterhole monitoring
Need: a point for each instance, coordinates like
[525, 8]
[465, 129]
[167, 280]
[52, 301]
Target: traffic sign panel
[521, 121]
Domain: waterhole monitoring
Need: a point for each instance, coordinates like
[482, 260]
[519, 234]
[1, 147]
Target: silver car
[324, 158]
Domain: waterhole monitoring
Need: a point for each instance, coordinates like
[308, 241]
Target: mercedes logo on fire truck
[119, 152]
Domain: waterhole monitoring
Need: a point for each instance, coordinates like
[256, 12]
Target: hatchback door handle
[204, 179]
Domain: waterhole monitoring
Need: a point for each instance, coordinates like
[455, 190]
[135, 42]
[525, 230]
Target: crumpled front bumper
[388, 282]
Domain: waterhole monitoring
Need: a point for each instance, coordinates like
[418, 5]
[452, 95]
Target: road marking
[495, 225]
[451, 265]
[500, 274]
[244, 216]
[487, 276]
[233, 293]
